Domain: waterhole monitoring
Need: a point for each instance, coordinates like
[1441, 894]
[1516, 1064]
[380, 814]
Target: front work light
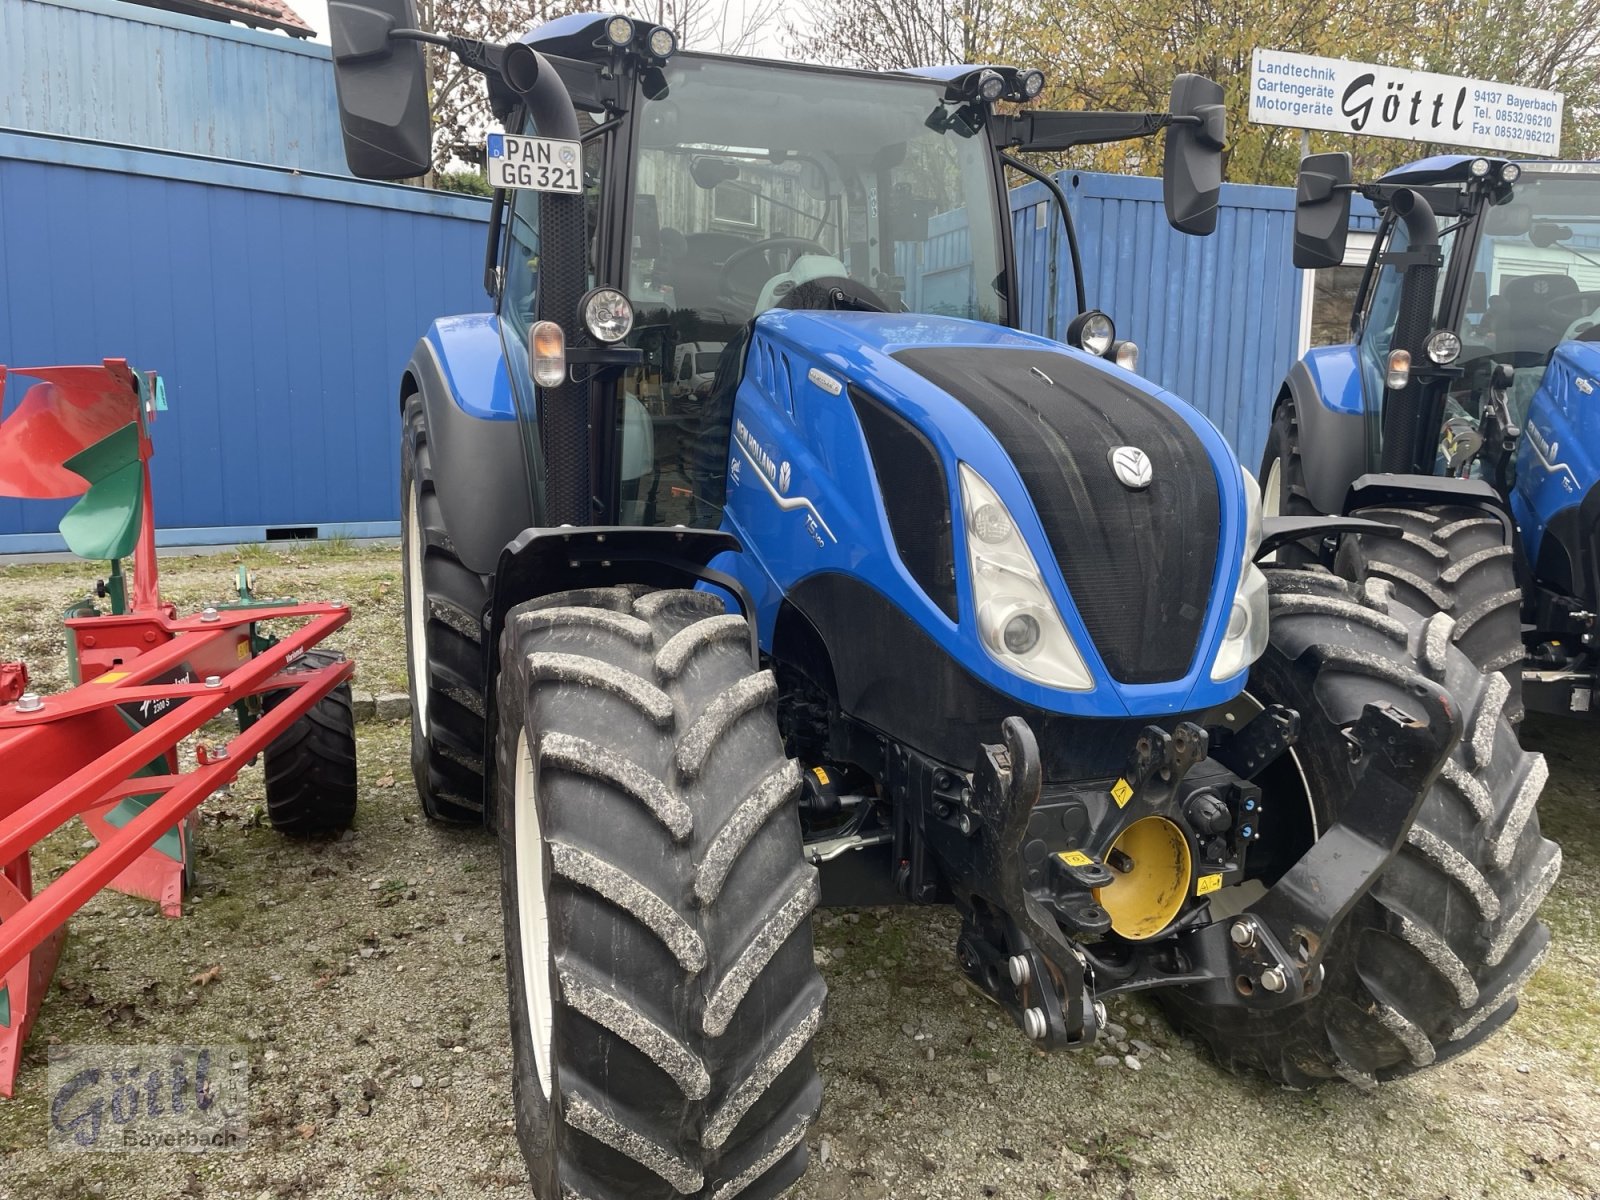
[1443, 347]
[1127, 356]
[619, 31]
[1031, 83]
[606, 314]
[1399, 373]
[547, 353]
[991, 85]
[1479, 167]
[662, 42]
[1510, 173]
[1092, 331]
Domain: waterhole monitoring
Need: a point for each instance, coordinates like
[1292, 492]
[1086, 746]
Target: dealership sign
[1308, 92]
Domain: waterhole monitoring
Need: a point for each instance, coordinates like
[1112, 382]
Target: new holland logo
[1132, 466]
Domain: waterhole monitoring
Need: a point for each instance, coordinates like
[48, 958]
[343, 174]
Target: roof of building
[261, 14]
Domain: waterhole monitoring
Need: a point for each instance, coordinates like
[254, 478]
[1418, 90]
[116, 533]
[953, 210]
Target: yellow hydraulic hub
[1151, 868]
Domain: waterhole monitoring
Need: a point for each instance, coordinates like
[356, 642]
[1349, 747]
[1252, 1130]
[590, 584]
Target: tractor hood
[1129, 504]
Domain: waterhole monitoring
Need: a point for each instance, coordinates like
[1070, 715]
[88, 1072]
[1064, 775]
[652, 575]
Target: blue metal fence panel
[1216, 318]
[279, 306]
[119, 72]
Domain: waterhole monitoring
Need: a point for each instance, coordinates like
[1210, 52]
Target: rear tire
[1430, 961]
[658, 942]
[443, 605]
[1283, 482]
[1451, 560]
[310, 767]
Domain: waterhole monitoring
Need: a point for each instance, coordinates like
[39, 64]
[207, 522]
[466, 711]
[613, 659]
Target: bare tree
[896, 34]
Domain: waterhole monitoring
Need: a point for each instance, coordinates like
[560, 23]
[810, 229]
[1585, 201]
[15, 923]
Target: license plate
[534, 164]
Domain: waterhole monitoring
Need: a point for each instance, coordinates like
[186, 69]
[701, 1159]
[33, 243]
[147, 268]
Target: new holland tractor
[1461, 411]
[908, 606]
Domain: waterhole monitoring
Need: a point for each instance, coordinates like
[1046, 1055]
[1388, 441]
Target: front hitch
[1041, 981]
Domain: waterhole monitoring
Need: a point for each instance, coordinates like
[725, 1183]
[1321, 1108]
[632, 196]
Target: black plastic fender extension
[1339, 438]
[1418, 491]
[480, 473]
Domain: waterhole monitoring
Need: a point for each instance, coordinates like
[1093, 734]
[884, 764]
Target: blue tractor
[1460, 412]
[890, 603]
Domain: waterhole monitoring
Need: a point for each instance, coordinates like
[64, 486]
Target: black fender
[1333, 445]
[1419, 491]
[480, 473]
[542, 562]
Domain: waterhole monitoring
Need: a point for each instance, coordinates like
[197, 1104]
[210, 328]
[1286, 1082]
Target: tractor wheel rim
[1271, 503]
[416, 615]
[533, 915]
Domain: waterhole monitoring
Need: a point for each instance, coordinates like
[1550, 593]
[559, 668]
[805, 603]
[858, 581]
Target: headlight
[1127, 356]
[1017, 620]
[607, 314]
[1246, 636]
[1092, 331]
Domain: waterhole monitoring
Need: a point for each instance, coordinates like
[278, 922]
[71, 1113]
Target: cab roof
[1457, 168]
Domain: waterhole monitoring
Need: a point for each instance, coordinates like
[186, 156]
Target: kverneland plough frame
[108, 750]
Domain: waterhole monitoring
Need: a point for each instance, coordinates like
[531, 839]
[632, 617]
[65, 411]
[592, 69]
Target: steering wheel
[1575, 313]
[734, 288]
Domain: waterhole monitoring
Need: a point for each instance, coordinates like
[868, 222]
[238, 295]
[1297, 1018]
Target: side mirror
[382, 84]
[1322, 211]
[1192, 176]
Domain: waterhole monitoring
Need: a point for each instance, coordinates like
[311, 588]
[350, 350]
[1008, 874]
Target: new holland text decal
[767, 469]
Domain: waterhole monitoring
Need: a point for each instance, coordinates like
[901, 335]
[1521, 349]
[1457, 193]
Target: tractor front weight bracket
[1270, 956]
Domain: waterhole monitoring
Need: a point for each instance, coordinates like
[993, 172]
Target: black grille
[915, 495]
[1139, 564]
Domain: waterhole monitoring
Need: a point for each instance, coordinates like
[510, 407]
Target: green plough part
[104, 524]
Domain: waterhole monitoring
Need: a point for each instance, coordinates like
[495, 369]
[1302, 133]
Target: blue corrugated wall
[279, 306]
[117, 72]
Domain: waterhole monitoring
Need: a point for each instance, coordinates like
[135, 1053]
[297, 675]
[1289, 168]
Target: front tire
[444, 660]
[1430, 961]
[657, 903]
[1452, 560]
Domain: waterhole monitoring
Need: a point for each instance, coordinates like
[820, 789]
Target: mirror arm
[1036, 131]
[1054, 189]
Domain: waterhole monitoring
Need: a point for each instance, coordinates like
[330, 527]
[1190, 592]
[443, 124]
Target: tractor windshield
[754, 179]
[758, 185]
[1536, 276]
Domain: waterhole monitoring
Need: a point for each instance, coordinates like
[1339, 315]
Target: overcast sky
[315, 13]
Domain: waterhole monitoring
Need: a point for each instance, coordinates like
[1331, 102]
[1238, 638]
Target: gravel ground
[364, 976]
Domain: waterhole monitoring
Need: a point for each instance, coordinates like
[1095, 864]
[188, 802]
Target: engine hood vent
[1138, 560]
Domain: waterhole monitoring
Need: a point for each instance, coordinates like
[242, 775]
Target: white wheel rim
[1271, 506]
[533, 914]
[416, 614]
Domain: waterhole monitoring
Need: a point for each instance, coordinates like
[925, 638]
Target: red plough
[108, 750]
